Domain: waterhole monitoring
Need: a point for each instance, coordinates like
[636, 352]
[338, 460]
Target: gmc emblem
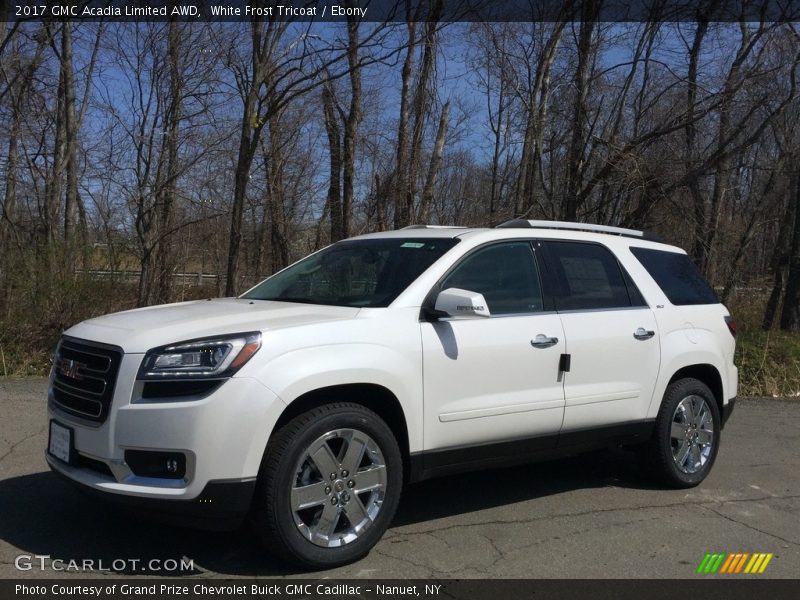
[71, 368]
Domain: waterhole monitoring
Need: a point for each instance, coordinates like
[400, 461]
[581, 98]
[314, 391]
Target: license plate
[60, 444]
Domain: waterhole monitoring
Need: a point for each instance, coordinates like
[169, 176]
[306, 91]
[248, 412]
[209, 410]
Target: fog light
[148, 463]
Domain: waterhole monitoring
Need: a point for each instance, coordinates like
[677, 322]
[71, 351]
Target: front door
[494, 379]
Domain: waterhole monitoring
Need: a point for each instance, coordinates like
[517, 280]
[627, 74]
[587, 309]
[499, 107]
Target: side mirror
[455, 302]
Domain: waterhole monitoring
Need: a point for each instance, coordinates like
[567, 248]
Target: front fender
[298, 372]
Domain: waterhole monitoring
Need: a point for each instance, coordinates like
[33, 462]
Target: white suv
[308, 402]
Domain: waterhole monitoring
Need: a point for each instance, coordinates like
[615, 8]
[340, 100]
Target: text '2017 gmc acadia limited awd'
[308, 402]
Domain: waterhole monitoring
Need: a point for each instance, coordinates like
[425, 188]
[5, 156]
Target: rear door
[611, 333]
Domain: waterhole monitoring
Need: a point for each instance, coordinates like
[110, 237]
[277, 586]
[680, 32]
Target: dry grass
[768, 361]
[31, 324]
[35, 308]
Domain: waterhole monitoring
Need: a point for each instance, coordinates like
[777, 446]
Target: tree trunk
[248, 141]
[402, 216]
[577, 146]
[168, 188]
[773, 301]
[54, 181]
[690, 150]
[334, 200]
[351, 125]
[250, 132]
[7, 218]
[498, 132]
[276, 196]
[382, 192]
[70, 132]
[421, 106]
[790, 314]
[537, 109]
[18, 96]
[777, 265]
[433, 169]
[146, 283]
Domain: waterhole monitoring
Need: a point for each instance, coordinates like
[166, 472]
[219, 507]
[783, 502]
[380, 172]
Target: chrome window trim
[593, 310]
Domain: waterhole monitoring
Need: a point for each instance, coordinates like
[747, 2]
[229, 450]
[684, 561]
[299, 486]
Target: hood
[140, 329]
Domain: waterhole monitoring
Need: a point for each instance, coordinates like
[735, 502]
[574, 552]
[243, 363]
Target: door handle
[643, 334]
[543, 341]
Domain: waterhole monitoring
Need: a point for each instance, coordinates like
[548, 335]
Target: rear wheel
[329, 486]
[687, 434]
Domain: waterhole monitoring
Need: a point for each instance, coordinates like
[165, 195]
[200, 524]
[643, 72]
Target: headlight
[212, 358]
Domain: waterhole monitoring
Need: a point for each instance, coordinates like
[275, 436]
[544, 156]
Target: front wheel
[687, 434]
[329, 486]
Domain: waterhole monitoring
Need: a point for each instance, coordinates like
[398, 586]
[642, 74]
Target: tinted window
[633, 292]
[505, 274]
[587, 277]
[677, 276]
[354, 273]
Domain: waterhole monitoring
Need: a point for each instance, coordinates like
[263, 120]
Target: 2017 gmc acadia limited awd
[308, 402]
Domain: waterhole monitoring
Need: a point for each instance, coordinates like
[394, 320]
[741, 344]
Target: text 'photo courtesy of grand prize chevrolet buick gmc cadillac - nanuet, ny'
[305, 405]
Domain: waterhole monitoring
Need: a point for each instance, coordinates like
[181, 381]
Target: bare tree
[333, 204]
[342, 139]
[433, 167]
[351, 123]
[276, 71]
[414, 110]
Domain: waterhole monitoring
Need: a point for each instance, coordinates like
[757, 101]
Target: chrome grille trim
[84, 377]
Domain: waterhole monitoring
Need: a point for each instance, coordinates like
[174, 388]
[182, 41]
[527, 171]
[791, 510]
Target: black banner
[307, 589]
[403, 10]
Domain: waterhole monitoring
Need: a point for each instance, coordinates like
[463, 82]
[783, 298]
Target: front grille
[84, 374]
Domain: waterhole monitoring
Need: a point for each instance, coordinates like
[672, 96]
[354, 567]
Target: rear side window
[677, 276]
[589, 277]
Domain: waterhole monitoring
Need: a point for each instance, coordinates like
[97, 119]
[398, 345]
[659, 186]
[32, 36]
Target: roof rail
[528, 224]
[434, 227]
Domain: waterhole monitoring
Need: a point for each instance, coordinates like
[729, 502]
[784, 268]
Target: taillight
[731, 323]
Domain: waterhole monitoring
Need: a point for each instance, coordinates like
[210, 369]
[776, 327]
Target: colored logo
[71, 368]
[737, 562]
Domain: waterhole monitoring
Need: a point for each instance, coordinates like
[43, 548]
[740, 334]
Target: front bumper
[222, 435]
[221, 506]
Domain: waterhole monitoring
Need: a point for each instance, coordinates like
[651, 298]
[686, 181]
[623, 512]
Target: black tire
[272, 514]
[661, 461]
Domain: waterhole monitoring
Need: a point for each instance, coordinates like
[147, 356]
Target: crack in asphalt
[443, 540]
[504, 554]
[430, 569]
[22, 441]
[751, 527]
[501, 554]
[501, 522]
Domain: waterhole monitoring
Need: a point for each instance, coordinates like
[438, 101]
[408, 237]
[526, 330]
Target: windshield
[358, 273]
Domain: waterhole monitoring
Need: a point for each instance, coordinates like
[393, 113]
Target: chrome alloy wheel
[338, 487]
[692, 434]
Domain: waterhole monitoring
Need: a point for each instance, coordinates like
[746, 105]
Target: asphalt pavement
[594, 516]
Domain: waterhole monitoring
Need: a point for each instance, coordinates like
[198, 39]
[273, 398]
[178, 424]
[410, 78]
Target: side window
[677, 276]
[505, 274]
[588, 277]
